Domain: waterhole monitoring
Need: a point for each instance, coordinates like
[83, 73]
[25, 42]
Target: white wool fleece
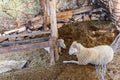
[96, 55]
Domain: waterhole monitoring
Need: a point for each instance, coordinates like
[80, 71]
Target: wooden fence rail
[4, 44]
[27, 34]
[25, 47]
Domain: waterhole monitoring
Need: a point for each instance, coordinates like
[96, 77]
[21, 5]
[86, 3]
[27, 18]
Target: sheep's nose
[64, 46]
[72, 51]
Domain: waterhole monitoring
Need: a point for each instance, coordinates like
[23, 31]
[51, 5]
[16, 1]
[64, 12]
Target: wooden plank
[68, 14]
[65, 15]
[21, 29]
[27, 34]
[45, 21]
[84, 9]
[24, 41]
[62, 16]
[26, 47]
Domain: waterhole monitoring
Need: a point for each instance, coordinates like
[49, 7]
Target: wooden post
[45, 22]
[54, 30]
[53, 20]
[52, 56]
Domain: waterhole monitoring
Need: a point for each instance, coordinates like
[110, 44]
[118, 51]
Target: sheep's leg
[71, 61]
[60, 51]
[101, 71]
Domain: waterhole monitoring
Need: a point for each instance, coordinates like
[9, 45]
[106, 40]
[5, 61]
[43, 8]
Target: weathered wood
[54, 29]
[45, 22]
[64, 16]
[53, 20]
[12, 39]
[84, 9]
[2, 40]
[24, 41]
[116, 10]
[26, 47]
[52, 51]
[27, 34]
[59, 25]
[61, 16]
[15, 30]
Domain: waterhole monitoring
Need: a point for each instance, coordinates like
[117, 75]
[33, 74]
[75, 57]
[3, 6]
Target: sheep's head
[73, 48]
[61, 43]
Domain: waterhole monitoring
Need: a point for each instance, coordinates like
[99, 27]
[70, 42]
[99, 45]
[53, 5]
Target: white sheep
[98, 55]
[61, 44]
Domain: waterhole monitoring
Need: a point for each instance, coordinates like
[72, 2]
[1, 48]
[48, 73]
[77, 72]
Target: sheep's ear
[74, 41]
[74, 44]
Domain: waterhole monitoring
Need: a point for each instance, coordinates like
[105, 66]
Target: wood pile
[36, 24]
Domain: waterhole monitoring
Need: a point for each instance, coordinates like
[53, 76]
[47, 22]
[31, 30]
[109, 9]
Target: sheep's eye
[74, 46]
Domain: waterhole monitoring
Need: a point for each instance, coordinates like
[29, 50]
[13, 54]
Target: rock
[8, 65]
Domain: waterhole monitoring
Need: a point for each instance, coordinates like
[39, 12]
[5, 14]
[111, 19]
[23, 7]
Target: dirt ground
[87, 33]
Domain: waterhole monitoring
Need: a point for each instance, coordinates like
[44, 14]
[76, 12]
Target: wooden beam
[45, 22]
[19, 30]
[26, 47]
[54, 30]
[27, 34]
[66, 15]
[24, 41]
[53, 20]
[84, 9]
